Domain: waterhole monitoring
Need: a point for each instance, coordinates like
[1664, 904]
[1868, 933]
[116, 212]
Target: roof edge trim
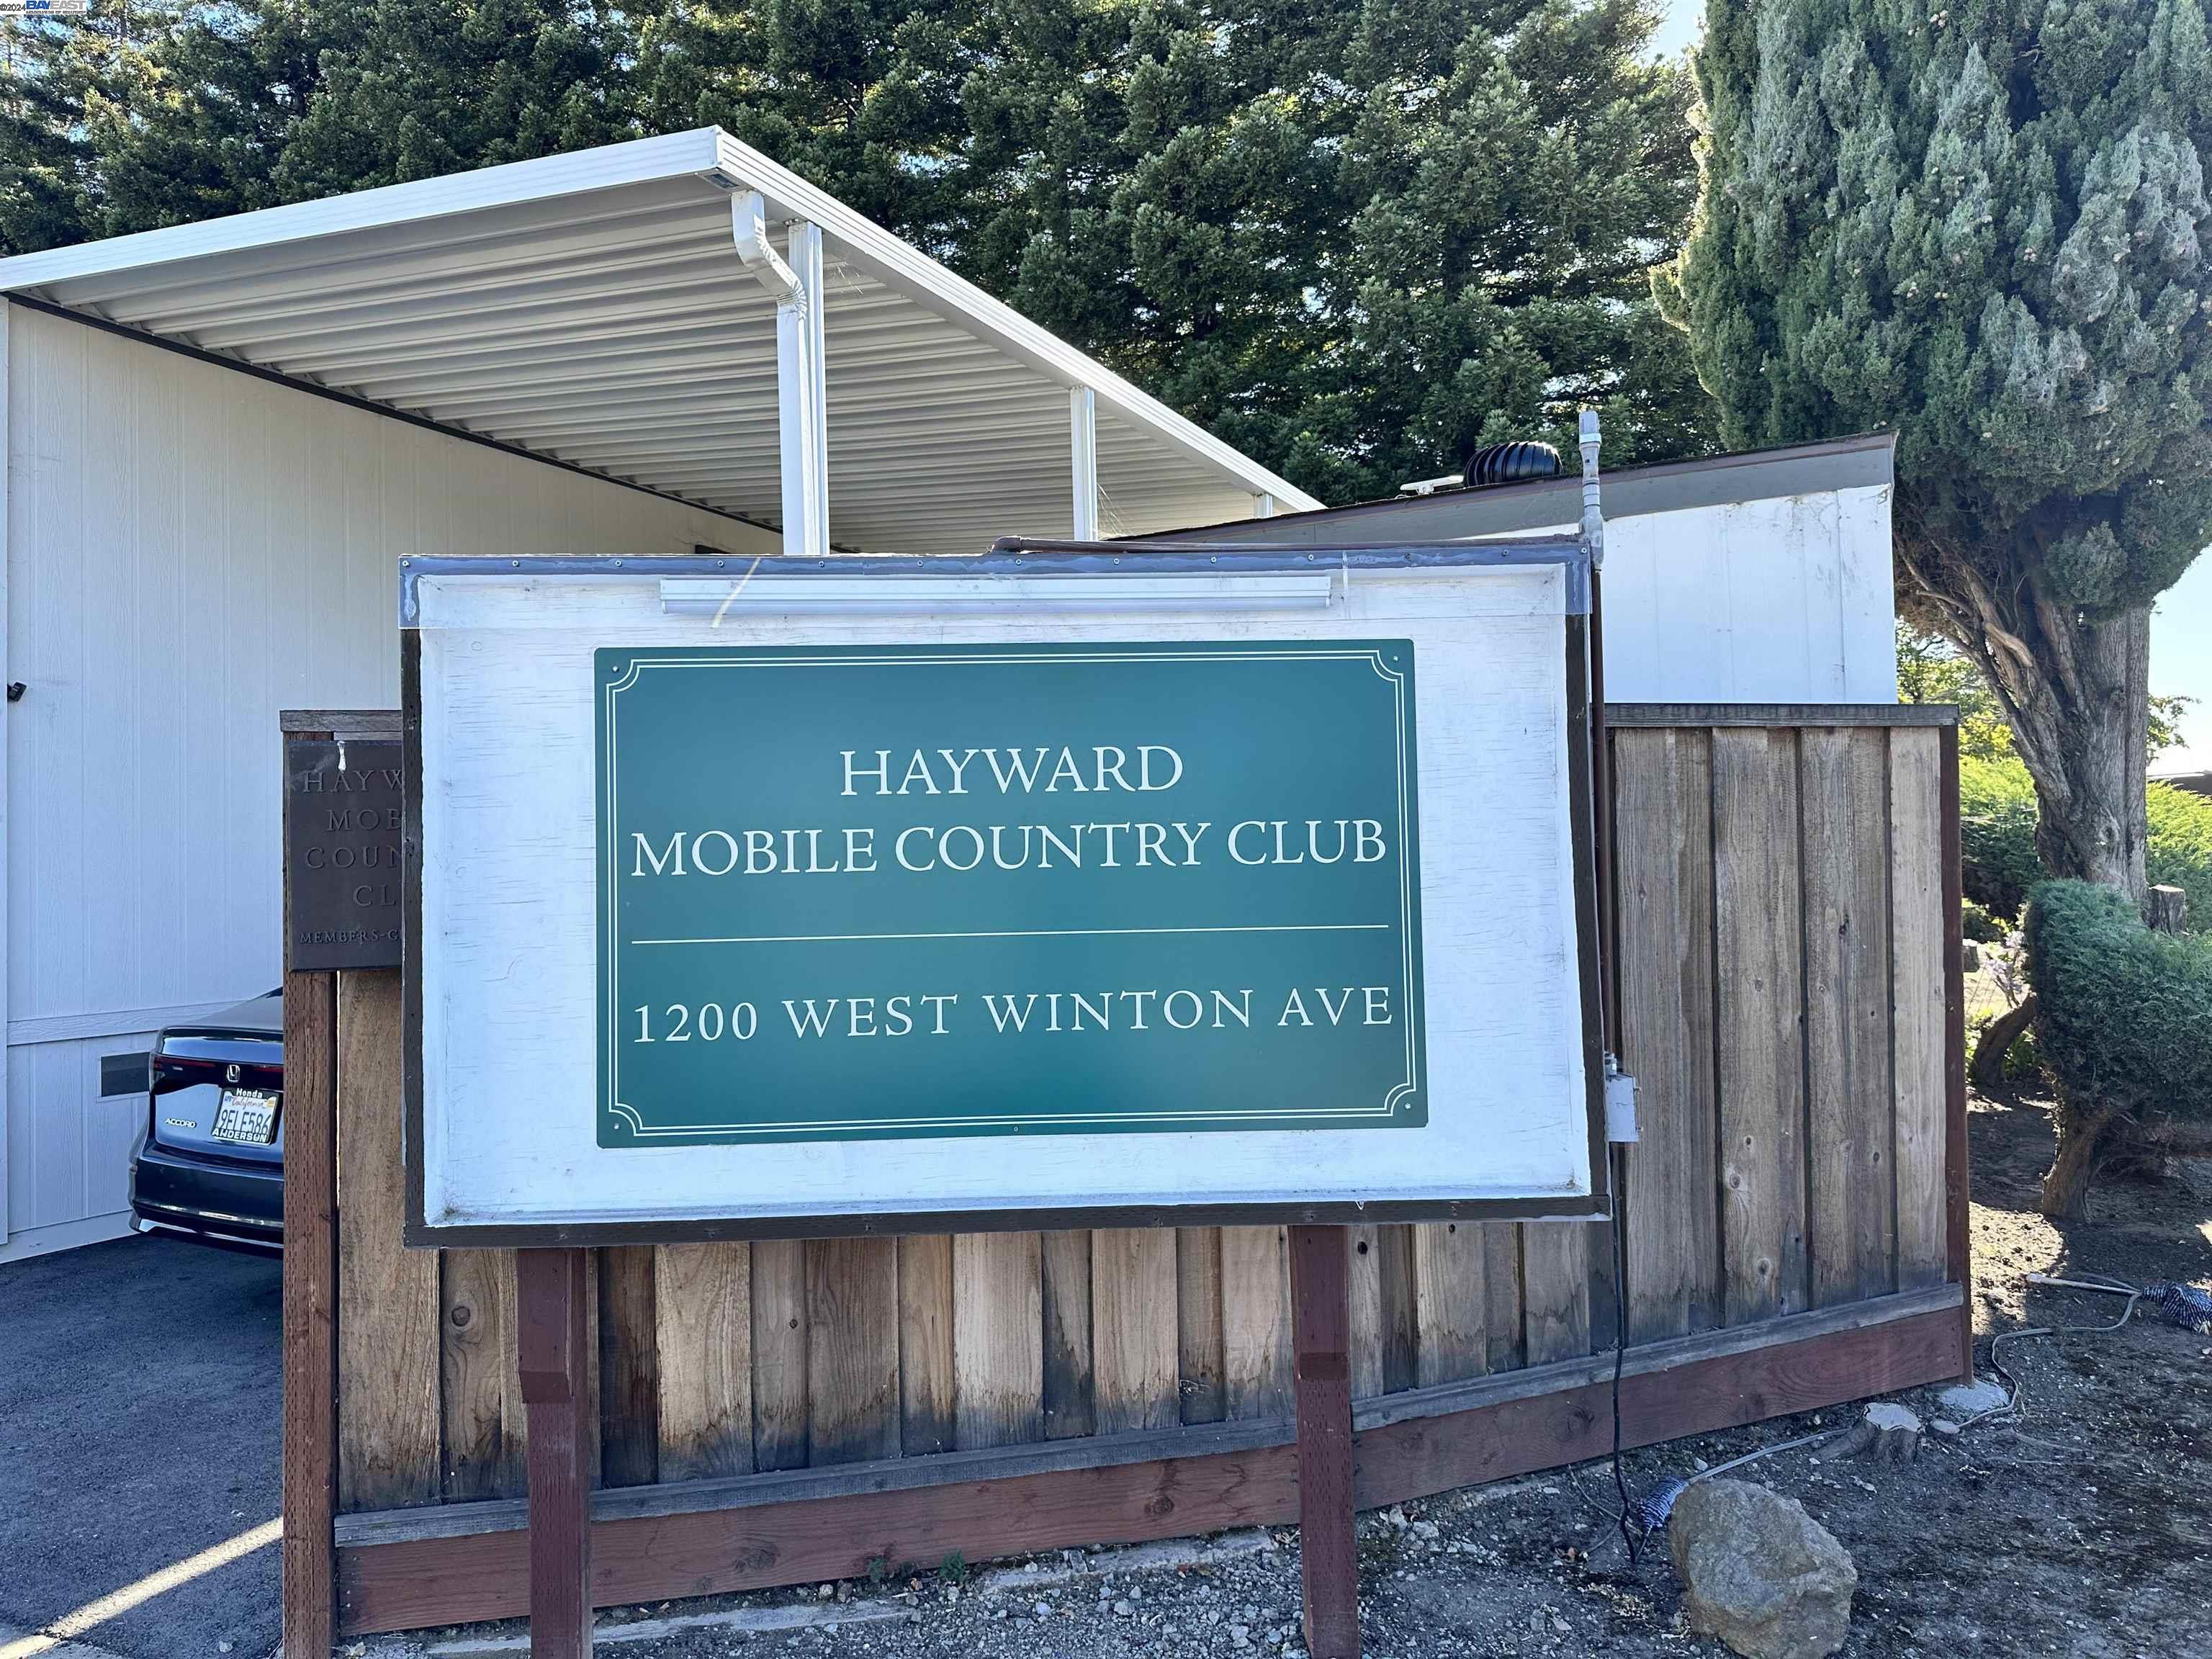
[639, 160]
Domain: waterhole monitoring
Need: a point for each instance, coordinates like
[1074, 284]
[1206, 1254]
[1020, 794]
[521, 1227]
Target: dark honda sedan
[211, 1167]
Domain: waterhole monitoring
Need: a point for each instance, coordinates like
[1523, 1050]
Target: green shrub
[1996, 834]
[1996, 840]
[2125, 1014]
[2181, 850]
[1978, 925]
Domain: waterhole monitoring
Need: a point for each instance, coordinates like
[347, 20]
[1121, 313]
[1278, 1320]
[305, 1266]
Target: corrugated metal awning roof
[592, 308]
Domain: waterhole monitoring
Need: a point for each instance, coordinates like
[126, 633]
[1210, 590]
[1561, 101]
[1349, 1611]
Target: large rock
[1759, 1573]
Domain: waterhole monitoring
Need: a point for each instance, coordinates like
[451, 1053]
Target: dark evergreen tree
[66, 84]
[1983, 225]
[223, 90]
[1355, 242]
[416, 89]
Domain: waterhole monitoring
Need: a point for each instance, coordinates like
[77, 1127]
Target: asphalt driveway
[139, 1390]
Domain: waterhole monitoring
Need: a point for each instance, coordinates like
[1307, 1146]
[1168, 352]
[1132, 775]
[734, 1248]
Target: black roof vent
[1510, 463]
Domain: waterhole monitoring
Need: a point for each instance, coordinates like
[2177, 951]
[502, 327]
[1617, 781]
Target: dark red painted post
[1320, 1342]
[550, 1288]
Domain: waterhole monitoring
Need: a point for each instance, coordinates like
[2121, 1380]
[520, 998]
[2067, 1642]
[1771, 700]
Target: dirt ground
[2083, 1529]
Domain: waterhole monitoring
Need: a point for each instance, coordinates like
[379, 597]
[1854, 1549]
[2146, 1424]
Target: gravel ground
[2083, 1528]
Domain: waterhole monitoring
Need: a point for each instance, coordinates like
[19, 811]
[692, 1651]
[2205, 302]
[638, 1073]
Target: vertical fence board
[1134, 1329]
[1501, 1292]
[1853, 1198]
[1400, 1318]
[1366, 1267]
[1920, 1009]
[1451, 1301]
[852, 1349]
[486, 1433]
[309, 1332]
[779, 1354]
[592, 1448]
[1255, 1323]
[1759, 1000]
[925, 1349]
[387, 1294]
[1068, 1381]
[1200, 1338]
[997, 1338]
[702, 1298]
[628, 1381]
[1555, 1290]
[1662, 783]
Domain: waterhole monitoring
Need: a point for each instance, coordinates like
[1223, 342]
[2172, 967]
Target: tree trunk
[2075, 688]
[2082, 726]
[1987, 1070]
[2094, 818]
[2066, 1187]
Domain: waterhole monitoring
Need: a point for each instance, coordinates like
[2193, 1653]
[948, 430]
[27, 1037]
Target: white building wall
[189, 551]
[1787, 600]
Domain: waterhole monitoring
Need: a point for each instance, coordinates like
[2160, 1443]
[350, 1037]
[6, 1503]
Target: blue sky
[2181, 627]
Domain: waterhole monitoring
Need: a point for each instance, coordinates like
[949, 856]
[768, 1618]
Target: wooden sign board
[888, 895]
[344, 828]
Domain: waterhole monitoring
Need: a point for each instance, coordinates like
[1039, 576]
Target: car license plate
[246, 1117]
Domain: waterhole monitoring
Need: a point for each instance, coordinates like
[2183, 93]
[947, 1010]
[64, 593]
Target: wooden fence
[1787, 960]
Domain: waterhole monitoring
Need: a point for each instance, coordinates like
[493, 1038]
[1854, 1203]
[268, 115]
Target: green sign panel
[863, 892]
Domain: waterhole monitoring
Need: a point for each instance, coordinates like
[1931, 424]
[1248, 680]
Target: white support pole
[800, 400]
[1263, 506]
[1593, 514]
[1083, 448]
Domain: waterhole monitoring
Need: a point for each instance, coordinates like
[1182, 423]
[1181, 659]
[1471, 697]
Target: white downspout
[795, 281]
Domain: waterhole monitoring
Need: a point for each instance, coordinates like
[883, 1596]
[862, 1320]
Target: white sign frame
[497, 697]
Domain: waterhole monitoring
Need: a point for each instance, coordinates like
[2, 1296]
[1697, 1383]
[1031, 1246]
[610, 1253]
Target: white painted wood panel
[1784, 600]
[509, 1032]
[69, 1149]
[189, 551]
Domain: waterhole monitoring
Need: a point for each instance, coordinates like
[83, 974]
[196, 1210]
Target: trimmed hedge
[2179, 853]
[1996, 834]
[1996, 839]
[2125, 1015]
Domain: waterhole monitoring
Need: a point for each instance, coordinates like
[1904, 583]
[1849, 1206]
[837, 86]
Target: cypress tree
[1984, 226]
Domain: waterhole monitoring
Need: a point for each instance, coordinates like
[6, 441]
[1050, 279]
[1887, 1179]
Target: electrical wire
[1637, 1522]
[2011, 1407]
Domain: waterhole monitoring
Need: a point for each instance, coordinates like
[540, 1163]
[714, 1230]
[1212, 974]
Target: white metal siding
[189, 551]
[1787, 600]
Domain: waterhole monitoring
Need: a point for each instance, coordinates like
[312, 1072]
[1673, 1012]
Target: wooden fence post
[553, 1348]
[311, 1301]
[1320, 1337]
